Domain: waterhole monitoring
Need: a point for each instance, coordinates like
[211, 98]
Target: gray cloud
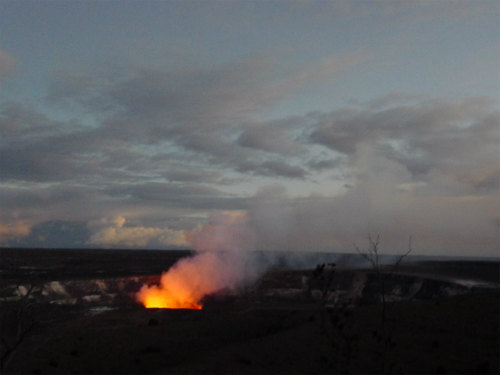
[57, 233]
[268, 139]
[188, 95]
[274, 168]
[319, 164]
[164, 148]
[186, 195]
[19, 123]
[198, 112]
[458, 138]
[7, 64]
[381, 201]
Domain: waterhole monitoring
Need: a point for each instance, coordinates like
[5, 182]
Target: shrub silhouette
[336, 320]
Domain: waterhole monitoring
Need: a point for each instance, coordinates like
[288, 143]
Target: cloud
[55, 234]
[112, 232]
[204, 113]
[197, 113]
[7, 64]
[268, 139]
[34, 204]
[13, 231]
[203, 116]
[166, 147]
[176, 195]
[279, 169]
[327, 68]
[225, 231]
[21, 122]
[458, 138]
[383, 200]
[187, 94]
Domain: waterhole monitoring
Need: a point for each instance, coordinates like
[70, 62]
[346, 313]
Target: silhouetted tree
[16, 322]
[382, 274]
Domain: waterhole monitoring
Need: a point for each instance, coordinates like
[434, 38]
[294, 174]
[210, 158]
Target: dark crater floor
[441, 317]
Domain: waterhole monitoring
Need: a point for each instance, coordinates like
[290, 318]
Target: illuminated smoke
[222, 263]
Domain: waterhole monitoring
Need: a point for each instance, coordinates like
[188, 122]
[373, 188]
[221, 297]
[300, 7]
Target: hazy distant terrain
[50, 263]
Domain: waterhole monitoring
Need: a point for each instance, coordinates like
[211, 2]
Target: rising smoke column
[222, 262]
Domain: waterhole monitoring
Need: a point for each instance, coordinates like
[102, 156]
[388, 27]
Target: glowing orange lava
[187, 282]
[159, 298]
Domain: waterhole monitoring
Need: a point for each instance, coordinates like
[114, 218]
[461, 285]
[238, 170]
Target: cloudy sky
[138, 123]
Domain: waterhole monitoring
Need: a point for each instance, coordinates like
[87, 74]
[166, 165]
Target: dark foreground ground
[456, 335]
[257, 331]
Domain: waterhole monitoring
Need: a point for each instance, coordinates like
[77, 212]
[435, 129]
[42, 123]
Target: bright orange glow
[152, 302]
[160, 298]
[188, 281]
[158, 301]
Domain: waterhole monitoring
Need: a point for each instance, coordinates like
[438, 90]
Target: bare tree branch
[22, 319]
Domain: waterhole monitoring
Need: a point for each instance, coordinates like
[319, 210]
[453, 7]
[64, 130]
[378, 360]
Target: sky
[312, 124]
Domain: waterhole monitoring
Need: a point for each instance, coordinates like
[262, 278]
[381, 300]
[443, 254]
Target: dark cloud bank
[163, 149]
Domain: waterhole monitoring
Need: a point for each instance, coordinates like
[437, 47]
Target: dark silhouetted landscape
[81, 316]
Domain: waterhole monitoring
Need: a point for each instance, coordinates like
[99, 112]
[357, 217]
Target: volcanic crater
[443, 317]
